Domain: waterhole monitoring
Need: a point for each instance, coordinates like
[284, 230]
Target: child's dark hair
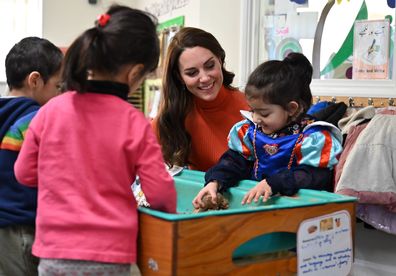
[29, 55]
[280, 82]
[127, 36]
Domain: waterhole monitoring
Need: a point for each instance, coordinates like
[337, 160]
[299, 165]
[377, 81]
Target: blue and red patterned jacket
[302, 155]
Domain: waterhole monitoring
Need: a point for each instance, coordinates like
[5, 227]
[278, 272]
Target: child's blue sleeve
[15, 136]
[239, 141]
[319, 149]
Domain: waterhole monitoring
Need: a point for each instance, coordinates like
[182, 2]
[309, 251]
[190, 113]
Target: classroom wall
[64, 20]
[222, 19]
[168, 9]
[208, 15]
[3, 88]
[77, 15]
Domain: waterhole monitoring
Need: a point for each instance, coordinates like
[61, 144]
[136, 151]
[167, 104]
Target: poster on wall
[371, 49]
[324, 245]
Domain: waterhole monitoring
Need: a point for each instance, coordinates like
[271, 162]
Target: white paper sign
[324, 245]
[371, 49]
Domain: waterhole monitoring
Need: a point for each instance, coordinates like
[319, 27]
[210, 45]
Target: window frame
[250, 19]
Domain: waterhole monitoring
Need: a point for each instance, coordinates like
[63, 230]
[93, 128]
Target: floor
[375, 253]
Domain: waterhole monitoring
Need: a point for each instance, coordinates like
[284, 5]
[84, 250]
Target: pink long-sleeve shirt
[83, 151]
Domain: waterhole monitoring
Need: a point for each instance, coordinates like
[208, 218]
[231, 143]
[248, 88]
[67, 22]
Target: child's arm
[231, 168]
[234, 165]
[157, 184]
[316, 156]
[25, 166]
[288, 182]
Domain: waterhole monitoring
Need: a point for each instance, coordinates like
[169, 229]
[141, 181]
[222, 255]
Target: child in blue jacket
[33, 68]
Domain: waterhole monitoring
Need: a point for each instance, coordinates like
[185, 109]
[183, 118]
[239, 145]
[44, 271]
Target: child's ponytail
[77, 60]
[301, 66]
[121, 36]
[302, 70]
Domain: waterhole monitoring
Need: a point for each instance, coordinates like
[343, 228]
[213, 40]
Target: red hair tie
[103, 19]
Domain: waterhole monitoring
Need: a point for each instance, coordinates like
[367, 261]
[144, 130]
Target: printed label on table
[324, 245]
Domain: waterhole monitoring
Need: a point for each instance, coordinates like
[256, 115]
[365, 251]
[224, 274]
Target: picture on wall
[371, 49]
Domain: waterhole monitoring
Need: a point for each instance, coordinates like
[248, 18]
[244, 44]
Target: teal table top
[189, 183]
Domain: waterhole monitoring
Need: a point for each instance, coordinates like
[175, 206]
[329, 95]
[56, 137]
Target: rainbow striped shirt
[14, 137]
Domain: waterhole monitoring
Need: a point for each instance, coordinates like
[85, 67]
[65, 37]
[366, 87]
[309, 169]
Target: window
[19, 18]
[323, 31]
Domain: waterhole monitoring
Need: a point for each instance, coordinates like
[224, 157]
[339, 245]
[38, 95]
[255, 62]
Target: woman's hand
[209, 189]
[262, 189]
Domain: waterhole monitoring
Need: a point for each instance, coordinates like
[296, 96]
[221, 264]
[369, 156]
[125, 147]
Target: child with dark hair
[85, 148]
[33, 76]
[277, 144]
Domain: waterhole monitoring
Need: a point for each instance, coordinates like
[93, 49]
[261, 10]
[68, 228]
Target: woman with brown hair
[198, 105]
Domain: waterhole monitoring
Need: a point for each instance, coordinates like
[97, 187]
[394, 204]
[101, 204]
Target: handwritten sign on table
[324, 245]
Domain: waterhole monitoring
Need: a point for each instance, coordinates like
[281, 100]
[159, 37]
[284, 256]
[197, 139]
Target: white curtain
[18, 19]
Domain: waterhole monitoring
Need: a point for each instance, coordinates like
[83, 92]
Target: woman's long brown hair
[176, 100]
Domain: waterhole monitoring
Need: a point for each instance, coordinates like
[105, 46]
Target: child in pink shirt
[85, 148]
